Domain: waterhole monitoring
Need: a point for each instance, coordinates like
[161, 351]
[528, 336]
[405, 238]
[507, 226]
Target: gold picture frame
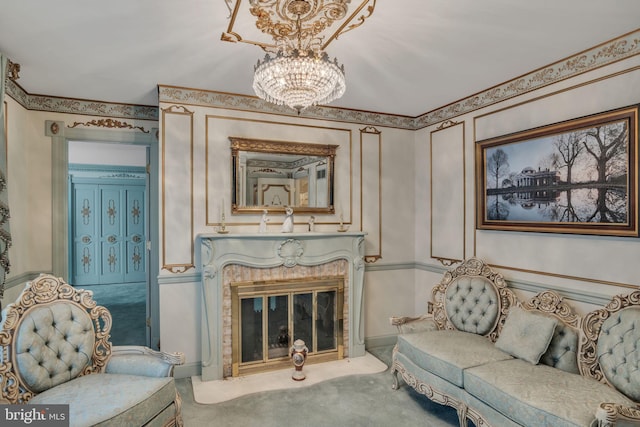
[578, 176]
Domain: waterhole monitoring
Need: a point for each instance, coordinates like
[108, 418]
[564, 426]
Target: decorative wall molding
[56, 104]
[618, 49]
[606, 53]
[108, 123]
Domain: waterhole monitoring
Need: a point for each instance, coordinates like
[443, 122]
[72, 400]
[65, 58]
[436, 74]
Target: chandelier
[299, 74]
[296, 70]
[299, 79]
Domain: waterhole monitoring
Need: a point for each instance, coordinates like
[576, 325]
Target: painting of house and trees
[572, 177]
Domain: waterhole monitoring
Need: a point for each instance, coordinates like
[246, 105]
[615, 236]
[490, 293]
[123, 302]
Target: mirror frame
[280, 147]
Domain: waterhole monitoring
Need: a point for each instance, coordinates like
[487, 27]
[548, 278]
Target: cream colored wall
[29, 187]
[594, 267]
[30, 190]
[386, 292]
[570, 263]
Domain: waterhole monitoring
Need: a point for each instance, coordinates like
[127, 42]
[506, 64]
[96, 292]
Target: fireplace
[267, 317]
[274, 274]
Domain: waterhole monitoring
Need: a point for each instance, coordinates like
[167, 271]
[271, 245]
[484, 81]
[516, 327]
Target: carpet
[209, 392]
[351, 401]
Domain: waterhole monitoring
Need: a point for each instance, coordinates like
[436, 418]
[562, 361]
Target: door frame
[60, 137]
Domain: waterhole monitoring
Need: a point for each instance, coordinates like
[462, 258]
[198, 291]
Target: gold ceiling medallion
[296, 71]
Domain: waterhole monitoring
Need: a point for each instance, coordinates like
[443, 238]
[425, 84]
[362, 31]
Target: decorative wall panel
[371, 191]
[177, 192]
[448, 193]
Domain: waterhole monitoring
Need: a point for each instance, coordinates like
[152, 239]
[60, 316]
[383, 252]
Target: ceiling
[408, 58]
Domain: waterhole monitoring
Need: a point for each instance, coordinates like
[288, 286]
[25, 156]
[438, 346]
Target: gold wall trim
[206, 183]
[371, 258]
[176, 267]
[108, 123]
[446, 261]
[566, 276]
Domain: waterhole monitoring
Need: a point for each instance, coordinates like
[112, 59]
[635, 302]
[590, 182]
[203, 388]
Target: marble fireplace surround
[290, 252]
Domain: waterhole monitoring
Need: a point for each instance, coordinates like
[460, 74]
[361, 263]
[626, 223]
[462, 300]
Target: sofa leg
[462, 415]
[394, 374]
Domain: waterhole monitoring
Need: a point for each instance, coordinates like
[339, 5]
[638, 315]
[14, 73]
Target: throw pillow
[526, 335]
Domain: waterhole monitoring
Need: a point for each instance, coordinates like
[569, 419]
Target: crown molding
[86, 107]
[618, 49]
[606, 53]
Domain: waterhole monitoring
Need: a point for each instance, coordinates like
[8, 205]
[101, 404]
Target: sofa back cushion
[618, 351]
[54, 343]
[472, 304]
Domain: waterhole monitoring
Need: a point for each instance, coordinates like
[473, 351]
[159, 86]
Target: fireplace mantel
[274, 250]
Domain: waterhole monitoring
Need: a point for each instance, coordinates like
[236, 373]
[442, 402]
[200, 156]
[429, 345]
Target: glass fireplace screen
[268, 316]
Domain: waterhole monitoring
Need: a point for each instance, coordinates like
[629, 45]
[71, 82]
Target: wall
[391, 196]
[30, 183]
[586, 269]
[196, 160]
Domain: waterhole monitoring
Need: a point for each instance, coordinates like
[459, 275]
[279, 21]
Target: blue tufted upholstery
[563, 349]
[589, 375]
[54, 344]
[619, 353]
[55, 349]
[472, 304]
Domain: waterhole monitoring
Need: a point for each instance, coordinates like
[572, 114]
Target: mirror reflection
[274, 174]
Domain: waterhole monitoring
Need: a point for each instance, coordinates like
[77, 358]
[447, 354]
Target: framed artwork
[578, 176]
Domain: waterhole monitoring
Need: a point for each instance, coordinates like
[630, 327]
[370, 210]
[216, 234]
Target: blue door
[108, 232]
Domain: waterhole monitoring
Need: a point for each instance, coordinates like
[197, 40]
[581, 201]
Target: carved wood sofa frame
[584, 354]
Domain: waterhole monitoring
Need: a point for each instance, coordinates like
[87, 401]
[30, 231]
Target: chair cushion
[439, 352]
[539, 395]
[54, 343]
[526, 335]
[125, 400]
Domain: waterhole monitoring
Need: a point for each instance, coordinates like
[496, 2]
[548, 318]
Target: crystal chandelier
[299, 79]
[298, 75]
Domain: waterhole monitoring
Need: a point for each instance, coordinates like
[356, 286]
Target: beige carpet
[208, 392]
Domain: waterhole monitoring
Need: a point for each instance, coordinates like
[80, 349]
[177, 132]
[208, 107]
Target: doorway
[108, 232]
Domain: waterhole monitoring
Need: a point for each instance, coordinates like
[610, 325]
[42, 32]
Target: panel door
[112, 234]
[109, 233]
[135, 240]
[86, 213]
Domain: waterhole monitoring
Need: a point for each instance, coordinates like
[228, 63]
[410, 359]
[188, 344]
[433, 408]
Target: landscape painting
[578, 176]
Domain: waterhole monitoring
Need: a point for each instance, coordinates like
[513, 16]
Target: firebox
[268, 316]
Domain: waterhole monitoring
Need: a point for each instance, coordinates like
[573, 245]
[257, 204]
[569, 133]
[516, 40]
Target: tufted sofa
[55, 349]
[502, 362]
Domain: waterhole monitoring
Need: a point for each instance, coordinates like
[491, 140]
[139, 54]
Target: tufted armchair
[55, 349]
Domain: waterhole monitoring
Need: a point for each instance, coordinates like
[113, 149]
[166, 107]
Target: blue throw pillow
[526, 335]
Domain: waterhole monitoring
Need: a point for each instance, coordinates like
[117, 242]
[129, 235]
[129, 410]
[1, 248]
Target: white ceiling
[409, 57]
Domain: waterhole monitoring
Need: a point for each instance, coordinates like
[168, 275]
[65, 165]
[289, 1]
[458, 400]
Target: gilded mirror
[274, 174]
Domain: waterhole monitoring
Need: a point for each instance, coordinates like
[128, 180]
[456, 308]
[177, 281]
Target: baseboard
[187, 370]
[380, 341]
